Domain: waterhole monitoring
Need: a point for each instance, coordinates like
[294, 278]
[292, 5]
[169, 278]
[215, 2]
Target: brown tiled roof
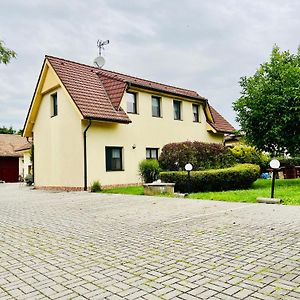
[220, 124]
[98, 92]
[9, 144]
[87, 90]
[152, 85]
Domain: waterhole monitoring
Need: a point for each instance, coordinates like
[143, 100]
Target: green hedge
[175, 156]
[149, 170]
[238, 177]
[292, 161]
[243, 154]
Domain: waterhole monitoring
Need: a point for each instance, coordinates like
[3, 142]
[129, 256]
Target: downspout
[85, 156]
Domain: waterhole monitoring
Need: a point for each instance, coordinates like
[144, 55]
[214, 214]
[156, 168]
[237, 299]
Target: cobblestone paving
[87, 246]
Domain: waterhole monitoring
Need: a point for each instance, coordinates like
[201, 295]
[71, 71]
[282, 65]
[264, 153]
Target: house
[15, 160]
[91, 124]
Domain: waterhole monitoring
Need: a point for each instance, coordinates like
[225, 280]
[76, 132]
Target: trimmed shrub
[292, 161]
[175, 156]
[29, 179]
[149, 170]
[243, 154]
[238, 177]
[96, 187]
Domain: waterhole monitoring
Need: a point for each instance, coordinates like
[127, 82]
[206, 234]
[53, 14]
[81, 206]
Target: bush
[238, 177]
[96, 187]
[175, 156]
[243, 154]
[293, 161]
[29, 179]
[149, 170]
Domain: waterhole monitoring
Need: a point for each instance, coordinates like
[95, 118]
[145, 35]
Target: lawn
[288, 190]
[130, 190]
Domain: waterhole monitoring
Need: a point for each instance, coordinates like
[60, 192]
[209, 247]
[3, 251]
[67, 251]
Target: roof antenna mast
[101, 44]
[99, 61]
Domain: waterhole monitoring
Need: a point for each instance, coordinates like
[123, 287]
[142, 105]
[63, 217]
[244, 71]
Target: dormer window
[54, 105]
[131, 103]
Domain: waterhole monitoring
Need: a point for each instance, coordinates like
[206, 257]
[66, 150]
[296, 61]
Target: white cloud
[203, 45]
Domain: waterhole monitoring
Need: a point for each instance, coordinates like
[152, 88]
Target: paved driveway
[97, 246]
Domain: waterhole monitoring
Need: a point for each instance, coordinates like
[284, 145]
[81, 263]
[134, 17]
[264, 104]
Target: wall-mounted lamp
[133, 146]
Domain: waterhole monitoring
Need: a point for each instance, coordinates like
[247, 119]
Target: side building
[92, 124]
[15, 161]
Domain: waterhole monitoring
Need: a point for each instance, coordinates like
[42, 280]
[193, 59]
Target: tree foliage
[10, 130]
[6, 54]
[269, 107]
[7, 130]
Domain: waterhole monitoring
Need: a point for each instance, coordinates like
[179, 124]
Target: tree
[6, 130]
[269, 107]
[6, 54]
[10, 130]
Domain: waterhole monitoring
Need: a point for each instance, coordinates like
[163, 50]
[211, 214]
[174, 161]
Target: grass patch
[129, 190]
[286, 189]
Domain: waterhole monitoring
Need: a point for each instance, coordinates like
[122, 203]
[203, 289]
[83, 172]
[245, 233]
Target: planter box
[158, 188]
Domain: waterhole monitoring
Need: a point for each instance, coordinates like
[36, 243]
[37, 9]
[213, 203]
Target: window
[195, 113]
[156, 106]
[113, 158]
[131, 103]
[54, 105]
[177, 110]
[152, 153]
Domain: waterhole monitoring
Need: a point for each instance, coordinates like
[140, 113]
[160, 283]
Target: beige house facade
[91, 124]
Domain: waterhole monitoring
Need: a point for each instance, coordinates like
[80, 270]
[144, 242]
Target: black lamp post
[188, 167]
[275, 165]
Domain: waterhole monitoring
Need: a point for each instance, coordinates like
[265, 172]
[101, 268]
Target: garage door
[9, 169]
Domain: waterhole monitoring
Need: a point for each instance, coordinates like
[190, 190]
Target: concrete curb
[269, 200]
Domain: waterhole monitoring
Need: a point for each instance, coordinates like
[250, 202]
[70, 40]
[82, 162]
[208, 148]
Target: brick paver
[97, 246]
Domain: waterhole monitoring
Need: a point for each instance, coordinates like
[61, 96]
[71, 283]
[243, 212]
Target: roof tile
[98, 92]
[220, 124]
[10, 143]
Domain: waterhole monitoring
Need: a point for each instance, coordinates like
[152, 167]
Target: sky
[206, 46]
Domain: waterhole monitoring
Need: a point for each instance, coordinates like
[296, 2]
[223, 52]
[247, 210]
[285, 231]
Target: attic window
[54, 105]
[156, 111]
[177, 110]
[131, 103]
[196, 113]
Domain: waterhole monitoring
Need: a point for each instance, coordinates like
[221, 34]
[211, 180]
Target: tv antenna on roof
[99, 61]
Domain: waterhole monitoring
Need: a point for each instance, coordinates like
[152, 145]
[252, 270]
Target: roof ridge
[104, 73]
[126, 75]
[71, 61]
[152, 81]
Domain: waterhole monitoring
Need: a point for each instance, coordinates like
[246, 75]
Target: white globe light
[275, 164]
[188, 167]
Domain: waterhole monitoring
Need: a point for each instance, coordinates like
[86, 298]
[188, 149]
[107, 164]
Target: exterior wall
[58, 142]
[144, 131]
[25, 164]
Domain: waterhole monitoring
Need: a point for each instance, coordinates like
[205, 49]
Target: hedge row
[293, 161]
[175, 156]
[238, 177]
